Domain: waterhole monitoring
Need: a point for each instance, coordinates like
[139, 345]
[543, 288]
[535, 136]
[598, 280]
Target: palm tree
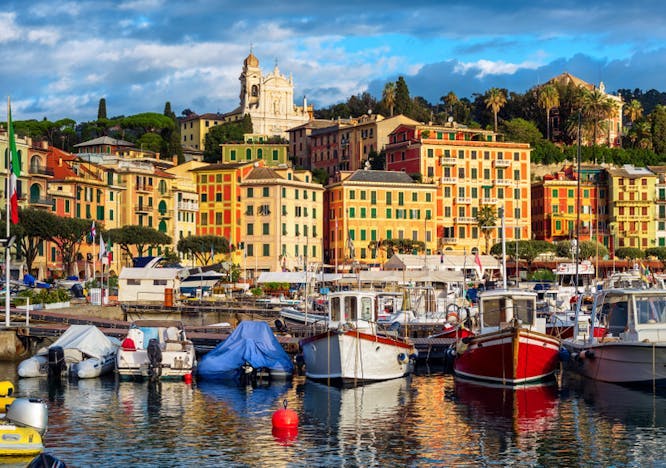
[596, 107]
[450, 100]
[549, 97]
[389, 96]
[487, 221]
[495, 100]
[644, 134]
[634, 110]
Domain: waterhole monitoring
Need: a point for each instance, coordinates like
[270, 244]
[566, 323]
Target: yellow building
[631, 206]
[660, 208]
[194, 128]
[272, 150]
[472, 170]
[365, 207]
[282, 220]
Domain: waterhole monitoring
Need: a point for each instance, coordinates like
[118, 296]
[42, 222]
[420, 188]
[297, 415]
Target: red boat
[512, 347]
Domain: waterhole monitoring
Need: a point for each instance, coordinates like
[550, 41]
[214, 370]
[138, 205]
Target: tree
[487, 221]
[548, 98]
[168, 112]
[150, 141]
[658, 120]
[389, 96]
[201, 247]
[596, 108]
[225, 133]
[523, 131]
[450, 101]
[629, 253]
[403, 103]
[633, 111]
[33, 228]
[139, 237]
[495, 100]
[320, 176]
[147, 122]
[101, 109]
[67, 234]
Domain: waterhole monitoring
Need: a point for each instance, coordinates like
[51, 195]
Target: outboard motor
[154, 358]
[56, 361]
[248, 374]
[29, 412]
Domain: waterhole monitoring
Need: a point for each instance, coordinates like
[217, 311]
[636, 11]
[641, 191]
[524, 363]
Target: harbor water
[429, 419]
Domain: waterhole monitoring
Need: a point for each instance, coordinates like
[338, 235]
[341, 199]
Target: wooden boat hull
[620, 362]
[512, 356]
[352, 356]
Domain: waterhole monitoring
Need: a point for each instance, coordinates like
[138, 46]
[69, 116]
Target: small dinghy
[22, 429]
[83, 351]
[251, 352]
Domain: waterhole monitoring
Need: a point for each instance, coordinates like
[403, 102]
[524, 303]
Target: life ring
[452, 315]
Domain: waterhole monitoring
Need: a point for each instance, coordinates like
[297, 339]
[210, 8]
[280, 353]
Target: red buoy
[187, 378]
[285, 418]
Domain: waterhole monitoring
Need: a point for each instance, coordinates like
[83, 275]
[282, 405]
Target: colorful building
[555, 202]
[471, 169]
[632, 203]
[272, 150]
[282, 220]
[194, 128]
[365, 207]
[660, 207]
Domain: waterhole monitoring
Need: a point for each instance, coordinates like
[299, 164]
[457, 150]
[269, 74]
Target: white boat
[632, 347]
[83, 351]
[156, 349]
[301, 317]
[352, 351]
[424, 306]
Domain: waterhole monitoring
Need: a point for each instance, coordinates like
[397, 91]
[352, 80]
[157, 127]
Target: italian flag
[15, 172]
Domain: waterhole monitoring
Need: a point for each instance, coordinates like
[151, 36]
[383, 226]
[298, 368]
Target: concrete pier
[10, 345]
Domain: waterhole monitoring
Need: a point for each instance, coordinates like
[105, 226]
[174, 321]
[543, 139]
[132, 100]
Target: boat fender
[564, 355]
[587, 354]
[6, 388]
[402, 358]
[461, 347]
[56, 361]
[285, 418]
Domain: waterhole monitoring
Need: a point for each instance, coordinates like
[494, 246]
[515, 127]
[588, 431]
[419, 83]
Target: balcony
[448, 161]
[502, 162]
[630, 188]
[465, 220]
[449, 180]
[504, 182]
[449, 240]
[166, 214]
[489, 201]
[188, 206]
[143, 188]
[36, 169]
[43, 202]
[463, 200]
[143, 208]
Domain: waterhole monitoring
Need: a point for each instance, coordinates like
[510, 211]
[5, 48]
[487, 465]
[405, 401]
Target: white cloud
[142, 5]
[489, 67]
[9, 30]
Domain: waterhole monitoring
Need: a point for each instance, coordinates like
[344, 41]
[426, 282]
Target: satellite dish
[450, 119]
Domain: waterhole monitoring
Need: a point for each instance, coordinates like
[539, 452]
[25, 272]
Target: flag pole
[7, 195]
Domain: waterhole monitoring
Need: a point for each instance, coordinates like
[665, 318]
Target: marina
[429, 419]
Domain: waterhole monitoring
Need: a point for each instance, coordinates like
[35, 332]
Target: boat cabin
[632, 315]
[357, 308]
[500, 309]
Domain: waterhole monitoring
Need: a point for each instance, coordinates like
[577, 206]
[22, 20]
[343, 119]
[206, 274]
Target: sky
[60, 57]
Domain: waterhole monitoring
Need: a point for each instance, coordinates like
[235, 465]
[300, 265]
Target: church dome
[251, 61]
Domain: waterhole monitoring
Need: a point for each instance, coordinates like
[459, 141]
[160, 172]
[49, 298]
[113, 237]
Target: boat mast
[501, 213]
[577, 252]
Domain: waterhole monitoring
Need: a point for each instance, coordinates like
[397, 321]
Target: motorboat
[511, 346]
[83, 351]
[156, 349]
[632, 349]
[422, 306]
[22, 429]
[302, 317]
[249, 354]
[352, 351]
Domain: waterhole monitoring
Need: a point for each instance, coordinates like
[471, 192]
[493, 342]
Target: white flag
[102, 247]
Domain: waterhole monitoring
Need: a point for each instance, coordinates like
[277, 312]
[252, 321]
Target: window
[388, 198]
[266, 250]
[250, 229]
[266, 192]
[265, 229]
[250, 192]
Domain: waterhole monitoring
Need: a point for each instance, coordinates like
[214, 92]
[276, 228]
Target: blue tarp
[251, 342]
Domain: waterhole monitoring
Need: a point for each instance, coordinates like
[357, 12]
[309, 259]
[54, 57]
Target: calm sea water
[426, 420]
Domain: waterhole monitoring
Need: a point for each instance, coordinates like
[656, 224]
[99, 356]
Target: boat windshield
[614, 315]
[650, 309]
[503, 309]
[346, 309]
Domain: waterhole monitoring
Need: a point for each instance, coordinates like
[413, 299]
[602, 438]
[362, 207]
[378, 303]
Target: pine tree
[101, 109]
[403, 103]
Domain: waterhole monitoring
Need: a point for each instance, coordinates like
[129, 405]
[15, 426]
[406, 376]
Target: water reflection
[246, 402]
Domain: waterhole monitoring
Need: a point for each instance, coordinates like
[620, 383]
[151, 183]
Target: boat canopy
[88, 339]
[251, 342]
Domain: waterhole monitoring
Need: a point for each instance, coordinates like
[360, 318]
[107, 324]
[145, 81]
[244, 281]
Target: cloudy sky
[60, 57]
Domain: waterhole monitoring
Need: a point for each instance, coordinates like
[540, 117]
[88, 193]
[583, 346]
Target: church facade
[269, 100]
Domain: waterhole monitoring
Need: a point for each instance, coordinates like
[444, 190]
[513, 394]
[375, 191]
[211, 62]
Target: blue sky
[59, 58]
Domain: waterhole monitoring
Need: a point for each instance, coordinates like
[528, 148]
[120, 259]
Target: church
[268, 99]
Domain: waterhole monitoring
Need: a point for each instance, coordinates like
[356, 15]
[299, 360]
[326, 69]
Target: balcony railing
[41, 170]
[144, 188]
[447, 161]
[188, 206]
[449, 180]
[143, 208]
[165, 213]
[48, 201]
[449, 240]
[489, 201]
[465, 220]
[504, 182]
[502, 162]
[463, 200]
